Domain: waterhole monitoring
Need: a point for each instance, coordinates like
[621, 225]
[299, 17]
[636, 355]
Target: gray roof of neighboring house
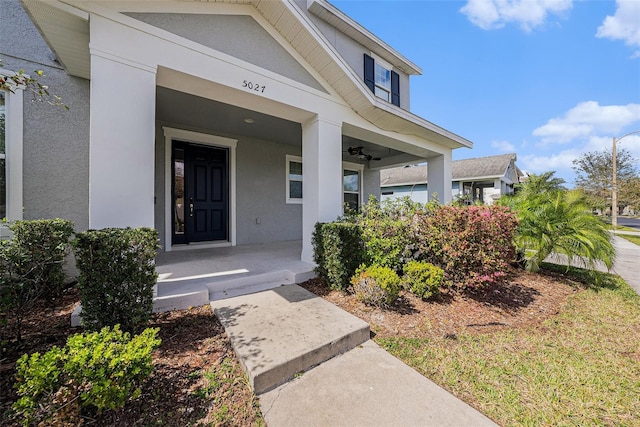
[461, 170]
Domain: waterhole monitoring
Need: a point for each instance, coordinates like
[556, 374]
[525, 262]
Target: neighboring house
[217, 123]
[482, 179]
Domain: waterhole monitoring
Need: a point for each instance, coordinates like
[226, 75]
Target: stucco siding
[236, 35]
[260, 190]
[353, 53]
[56, 141]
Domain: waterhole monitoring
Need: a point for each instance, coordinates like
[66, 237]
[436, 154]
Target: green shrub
[472, 244]
[337, 252]
[100, 370]
[376, 285]
[30, 268]
[387, 231]
[423, 279]
[117, 275]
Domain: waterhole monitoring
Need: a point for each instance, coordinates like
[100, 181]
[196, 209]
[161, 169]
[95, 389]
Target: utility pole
[614, 189]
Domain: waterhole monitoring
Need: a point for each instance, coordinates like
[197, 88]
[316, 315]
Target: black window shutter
[395, 88]
[368, 73]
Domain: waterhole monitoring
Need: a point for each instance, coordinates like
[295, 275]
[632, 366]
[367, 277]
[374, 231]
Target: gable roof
[66, 30]
[491, 167]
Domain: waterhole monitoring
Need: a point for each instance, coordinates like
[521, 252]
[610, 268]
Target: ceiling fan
[357, 151]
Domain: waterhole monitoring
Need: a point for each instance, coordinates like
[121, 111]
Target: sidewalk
[312, 364]
[627, 263]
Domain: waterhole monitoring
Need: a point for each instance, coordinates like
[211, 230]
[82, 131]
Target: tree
[555, 220]
[594, 174]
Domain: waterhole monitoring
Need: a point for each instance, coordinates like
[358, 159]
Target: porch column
[121, 148]
[322, 182]
[439, 177]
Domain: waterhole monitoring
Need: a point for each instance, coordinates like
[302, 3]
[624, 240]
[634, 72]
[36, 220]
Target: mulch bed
[194, 342]
[526, 299]
[177, 393]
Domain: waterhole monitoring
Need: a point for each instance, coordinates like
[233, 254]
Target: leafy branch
[14, 81]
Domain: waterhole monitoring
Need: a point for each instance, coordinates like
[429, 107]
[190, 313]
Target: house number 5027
[253, 86]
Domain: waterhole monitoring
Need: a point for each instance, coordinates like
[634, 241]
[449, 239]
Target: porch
[194, 277]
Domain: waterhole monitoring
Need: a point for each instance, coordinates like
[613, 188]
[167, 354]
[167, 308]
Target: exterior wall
[353, 53]
[260, 190]
[56, 141]
[417, 193]
[236, 35]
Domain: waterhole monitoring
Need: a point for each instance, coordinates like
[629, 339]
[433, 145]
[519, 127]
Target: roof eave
[334, 16]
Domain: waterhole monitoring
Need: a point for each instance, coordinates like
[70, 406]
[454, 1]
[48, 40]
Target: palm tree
[555, 220]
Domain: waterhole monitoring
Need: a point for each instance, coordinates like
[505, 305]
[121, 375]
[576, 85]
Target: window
[351, 189]
[294, 179]
[381, 79]
[351, 185]
[351, 182]
[11, 153]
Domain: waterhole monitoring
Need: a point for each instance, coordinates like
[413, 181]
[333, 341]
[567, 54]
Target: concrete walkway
[312, 364]
[627, 263]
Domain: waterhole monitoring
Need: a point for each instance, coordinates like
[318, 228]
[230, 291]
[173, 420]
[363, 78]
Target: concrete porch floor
[188, 278]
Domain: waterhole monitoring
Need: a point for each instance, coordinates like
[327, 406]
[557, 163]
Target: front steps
[285, 331]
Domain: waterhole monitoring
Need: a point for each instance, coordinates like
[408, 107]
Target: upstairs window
[381, 80]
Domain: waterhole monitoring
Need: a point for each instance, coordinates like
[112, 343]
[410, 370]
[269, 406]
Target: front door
[200, 193]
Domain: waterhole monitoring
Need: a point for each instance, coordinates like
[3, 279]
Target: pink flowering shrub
[472, 244]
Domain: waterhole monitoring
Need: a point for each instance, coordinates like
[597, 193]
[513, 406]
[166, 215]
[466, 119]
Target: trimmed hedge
[117, 275]
[30, 269]
[101, 370]
[337, 252]
[37, 251]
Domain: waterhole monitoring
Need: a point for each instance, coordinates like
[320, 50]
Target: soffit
[66, 31]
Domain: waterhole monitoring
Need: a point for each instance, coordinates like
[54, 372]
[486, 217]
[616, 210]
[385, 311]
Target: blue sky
[546, 79]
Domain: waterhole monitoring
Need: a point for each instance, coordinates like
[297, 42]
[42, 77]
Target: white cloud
[537, 164]
[624, 25]
[588, 119]
[493, 14]
[503, 146]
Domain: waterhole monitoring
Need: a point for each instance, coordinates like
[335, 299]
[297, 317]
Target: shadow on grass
[590, 279]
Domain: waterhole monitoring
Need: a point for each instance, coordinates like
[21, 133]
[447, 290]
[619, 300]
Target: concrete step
[284, 331]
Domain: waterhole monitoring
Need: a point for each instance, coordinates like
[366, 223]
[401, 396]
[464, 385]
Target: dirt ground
[198, 381]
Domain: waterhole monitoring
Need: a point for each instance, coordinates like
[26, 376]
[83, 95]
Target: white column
[322, 182]
[121, 154]
[439, 177]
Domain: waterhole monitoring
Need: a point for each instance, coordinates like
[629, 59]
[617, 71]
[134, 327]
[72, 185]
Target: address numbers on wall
[257, 87]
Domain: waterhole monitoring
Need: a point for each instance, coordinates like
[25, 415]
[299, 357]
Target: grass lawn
[580, 367]
[632, 239]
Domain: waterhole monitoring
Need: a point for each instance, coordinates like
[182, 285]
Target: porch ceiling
[186, 110]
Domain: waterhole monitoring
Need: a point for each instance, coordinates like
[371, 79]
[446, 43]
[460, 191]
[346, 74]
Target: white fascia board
[327, 12]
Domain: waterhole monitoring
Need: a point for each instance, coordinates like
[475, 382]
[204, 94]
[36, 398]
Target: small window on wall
[294, 179]
[351, 184]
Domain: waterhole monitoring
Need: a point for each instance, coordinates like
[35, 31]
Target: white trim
[289, 158]
[14, 123]
[199, 138]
